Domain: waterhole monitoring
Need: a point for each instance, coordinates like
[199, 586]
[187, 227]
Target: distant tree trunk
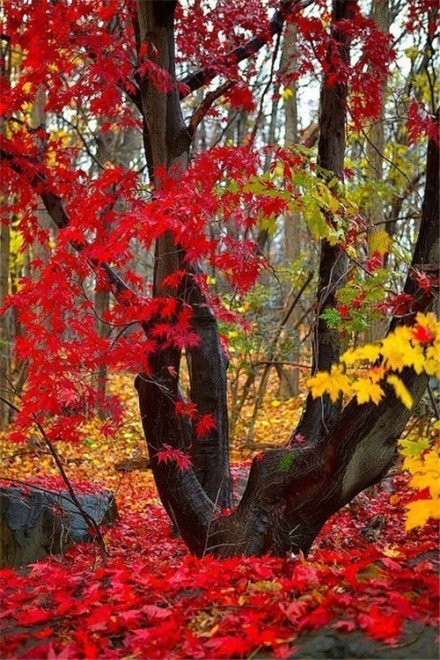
[105, 153]
[289, 381]
[118, 147]
[40, 251]
[5, 242]
[375, 155]
[5, 334]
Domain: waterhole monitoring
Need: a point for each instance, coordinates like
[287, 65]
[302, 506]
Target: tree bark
[375, 155]
[289, 381]
[5, 329]
[292, 492]
[167, 145]
[320, 414]
[5, 253]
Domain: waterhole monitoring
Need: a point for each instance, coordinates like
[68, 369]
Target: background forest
[237, 205]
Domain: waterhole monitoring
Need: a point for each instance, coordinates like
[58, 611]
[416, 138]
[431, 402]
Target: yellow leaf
[366, 391]
[287, 93]
[416, 358]
[379, 241]
[401, 391]
[395, 347]
[420, 511]
[425, 472]
[368, 352]
[432, 364]
[333, 383]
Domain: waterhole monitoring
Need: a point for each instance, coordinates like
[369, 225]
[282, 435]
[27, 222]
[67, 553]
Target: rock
[34, 523]
[418, 642]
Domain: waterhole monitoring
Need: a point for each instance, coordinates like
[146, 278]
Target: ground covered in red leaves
[152, 599]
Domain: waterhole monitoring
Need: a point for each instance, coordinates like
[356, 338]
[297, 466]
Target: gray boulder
[35, 522]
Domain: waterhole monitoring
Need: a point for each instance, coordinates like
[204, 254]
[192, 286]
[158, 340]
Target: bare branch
[206, 104]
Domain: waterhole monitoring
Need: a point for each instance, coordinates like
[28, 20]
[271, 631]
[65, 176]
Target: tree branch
[205, 105]
[204, 75]
[55, 208]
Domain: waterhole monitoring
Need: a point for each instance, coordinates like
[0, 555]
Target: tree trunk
[290, 492]
[167, 145]
[5, 243]
[375, 154]
[289, 381]
[320, 414]
[5, 330]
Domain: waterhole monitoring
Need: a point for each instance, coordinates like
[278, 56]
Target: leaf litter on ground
[151, 598]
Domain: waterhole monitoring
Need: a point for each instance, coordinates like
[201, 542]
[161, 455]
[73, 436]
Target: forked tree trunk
[291, 492]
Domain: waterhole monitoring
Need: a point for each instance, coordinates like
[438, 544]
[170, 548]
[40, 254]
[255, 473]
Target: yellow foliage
[368, 352]
[371, 366]
[380, 242]
[417, 347]
[420, 511]
[401, 391]
[425, 471]
[334, 383]
[432, 362]
[366, 390]
[394, 348]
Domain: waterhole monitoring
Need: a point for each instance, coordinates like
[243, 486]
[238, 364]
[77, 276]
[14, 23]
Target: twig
[205, 105]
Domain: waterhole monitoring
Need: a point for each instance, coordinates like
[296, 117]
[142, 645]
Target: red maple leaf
[205, 424]
[421, 123]
[170, 455]
[422, 334]
[241, 97]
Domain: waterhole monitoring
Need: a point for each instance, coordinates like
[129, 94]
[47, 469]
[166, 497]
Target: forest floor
[368, 589]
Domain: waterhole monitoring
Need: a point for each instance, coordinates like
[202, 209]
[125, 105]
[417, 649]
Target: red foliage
[152, 598]
[240, 96]
[170, 455]
[421, 123]
[423, 15]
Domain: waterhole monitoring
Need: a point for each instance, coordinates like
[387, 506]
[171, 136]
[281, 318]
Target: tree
[291, 491]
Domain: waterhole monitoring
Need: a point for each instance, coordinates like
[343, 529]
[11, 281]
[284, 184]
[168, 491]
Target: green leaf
[360, 322]
[413, 448]
[332, 317]
[286, 461]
